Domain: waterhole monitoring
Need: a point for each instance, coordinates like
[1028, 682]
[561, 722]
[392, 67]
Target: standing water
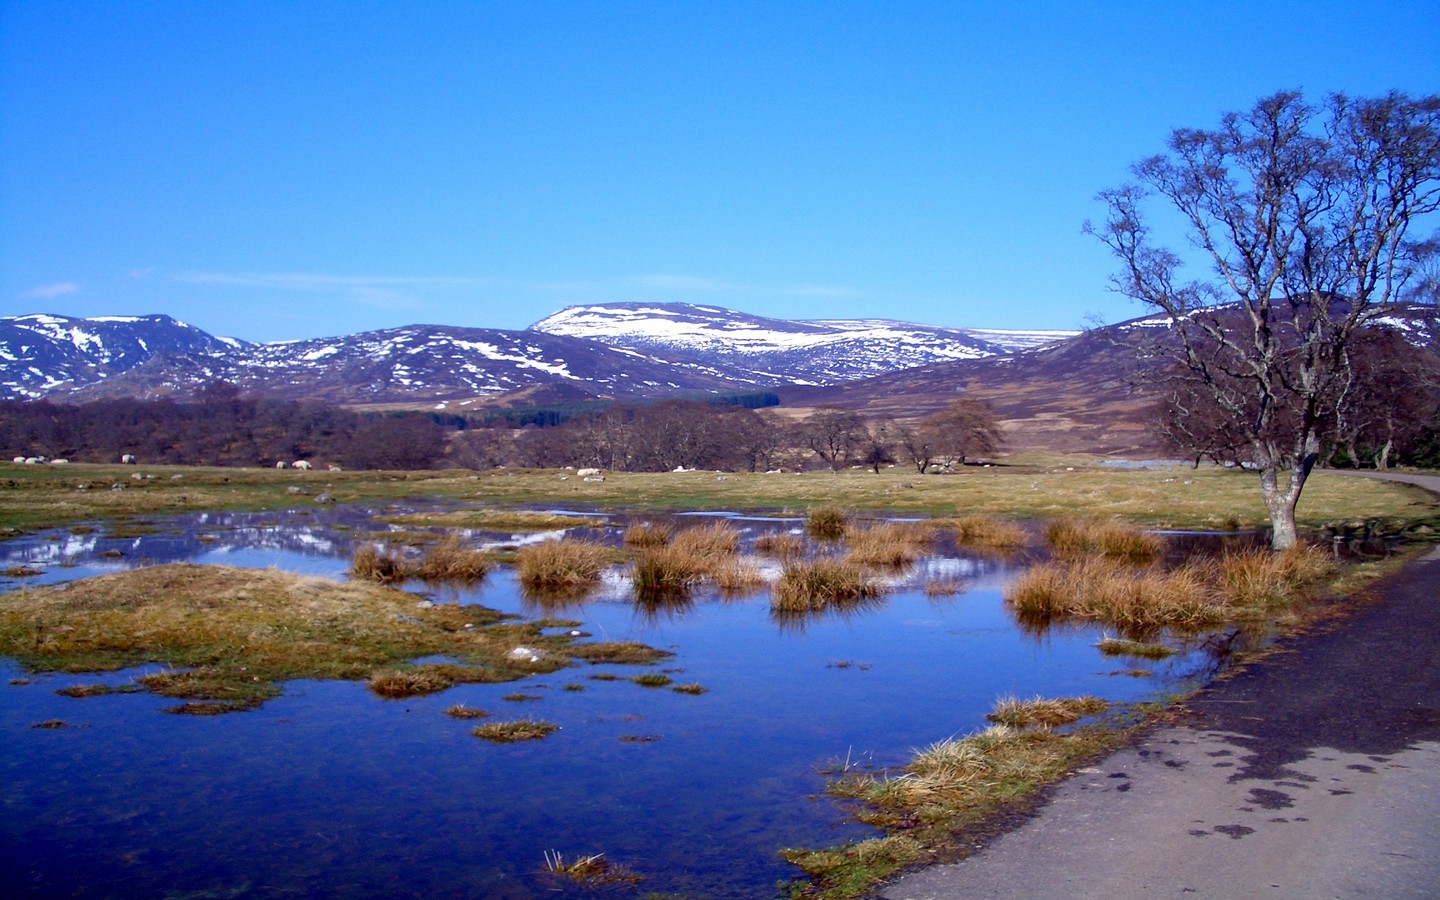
[331, 791]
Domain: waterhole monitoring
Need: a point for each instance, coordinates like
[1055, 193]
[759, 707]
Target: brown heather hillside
[1087, 394]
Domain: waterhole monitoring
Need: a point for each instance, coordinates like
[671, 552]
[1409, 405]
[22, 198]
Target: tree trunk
[1282, 498]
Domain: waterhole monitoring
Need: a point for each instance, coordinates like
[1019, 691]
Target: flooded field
[332, 791]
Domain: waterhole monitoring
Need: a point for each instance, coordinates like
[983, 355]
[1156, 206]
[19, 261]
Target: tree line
[219, 427]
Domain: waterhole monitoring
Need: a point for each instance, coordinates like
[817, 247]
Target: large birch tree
[1305, 216]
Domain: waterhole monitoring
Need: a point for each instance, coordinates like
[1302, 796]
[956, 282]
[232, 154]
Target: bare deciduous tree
[1304, 212]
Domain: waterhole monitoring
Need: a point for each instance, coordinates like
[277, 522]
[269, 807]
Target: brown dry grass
[561, 564]
[779, 544]
[987, 532]
[1044, 712]
[1107, 538]
[888, 544]
[647, 534]
[708, 542]
[820, 584]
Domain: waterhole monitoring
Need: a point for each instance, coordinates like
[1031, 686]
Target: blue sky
[282, 170]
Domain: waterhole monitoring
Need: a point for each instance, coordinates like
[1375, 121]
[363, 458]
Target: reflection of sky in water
[330, 791]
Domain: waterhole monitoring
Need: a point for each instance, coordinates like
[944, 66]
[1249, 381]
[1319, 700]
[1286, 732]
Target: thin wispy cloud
[309, 281]
[47, 291]
[679, 283]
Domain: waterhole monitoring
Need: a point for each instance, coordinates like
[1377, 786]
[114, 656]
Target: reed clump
[1240, 584]
[448, 559]
[1102, 537]
[988, 532]
[826, 523]
[561, 564]
[709, 542]
[400, 683]
[814, 585]
[647, 534]
[781, 545]
[888, 544]
[451, 561]
[1259, 579]
[382, 565]
[667, 570]
[1110, 591]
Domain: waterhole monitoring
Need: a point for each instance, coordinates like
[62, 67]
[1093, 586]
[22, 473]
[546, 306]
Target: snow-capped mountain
[782, 351]
[442, 366]
[46, 354]
[611, 351]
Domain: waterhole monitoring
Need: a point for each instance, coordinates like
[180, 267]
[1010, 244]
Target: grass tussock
[1259, 579]
[821, 584]
[1240, 584]
[826, 523]
[1108, 591]
[652, 679]
[647, 534]
[667, 570]
[461, 711]
[234, 635]
[944, 587]
[515, 731]
[450, 560]
[989, 533]
[888, 544]
[709, 542]
[399, 683]
[1138, 649]
[1072, 538]
[445, 560]
[780, 545]
[562, 564]
[382, 565]
[1044, 712]
[736, 577]
[946, 787]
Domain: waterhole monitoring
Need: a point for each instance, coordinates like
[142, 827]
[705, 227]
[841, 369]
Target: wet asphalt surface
[1313, 772]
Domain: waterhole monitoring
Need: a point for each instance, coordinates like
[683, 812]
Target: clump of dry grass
[666, 571]
[1107, 591]
[647, 534]
[561, 564]
[1260, 579]
[382, 565]
[736, 577]
[988, 532]
[514, 731]
[891, 544]
[1240, 584]
[1044, 712]
[399, 683]
[450, 560]
[461, 711]
[820, 584]
[709, 542]
[1100, 537]
[826, 523]
[781, 545]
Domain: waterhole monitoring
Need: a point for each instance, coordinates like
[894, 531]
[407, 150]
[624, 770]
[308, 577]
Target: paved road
[1314, 773]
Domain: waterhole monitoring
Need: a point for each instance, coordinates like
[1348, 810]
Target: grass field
[33, 497]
